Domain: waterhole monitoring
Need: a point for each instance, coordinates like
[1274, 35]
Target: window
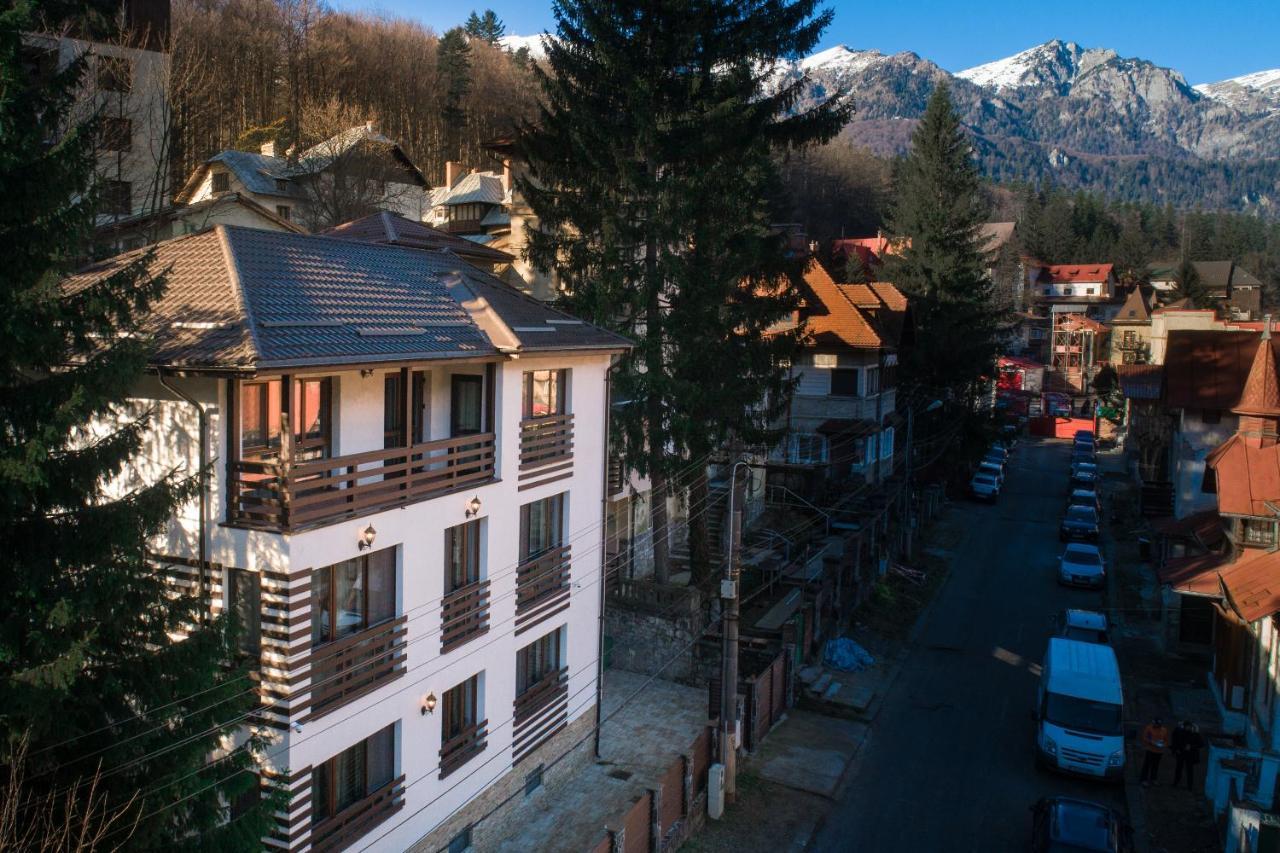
[221, 182]
[282, 186]
[533, 781]
[466, 404]
[544, 393]
[283, 211]
[117, 198]
[886, 443]
[115, 74]
[1048, 291]
[537, 661]
[353, 775]
[806, 449]
[461, 842]
[1130, 337]
[1258, 532]
[116, 134]
[541, 526]
[459, 708]
[824, 360]
[1089, 291]
[1068, 291]
[260, 418]
[246, 603]
[844, 382]
[39, 64]
[462, 556]
[873, 381]
[393, 409]
[352, 596]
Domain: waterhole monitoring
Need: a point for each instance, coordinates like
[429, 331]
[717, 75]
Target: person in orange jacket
[1155, 743]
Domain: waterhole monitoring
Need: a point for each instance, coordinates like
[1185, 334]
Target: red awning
[1194, 575]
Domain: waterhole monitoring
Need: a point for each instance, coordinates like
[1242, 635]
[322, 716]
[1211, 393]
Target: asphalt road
[950, 761]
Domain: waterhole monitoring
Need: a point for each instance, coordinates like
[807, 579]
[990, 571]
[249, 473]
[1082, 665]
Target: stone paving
[648, 724]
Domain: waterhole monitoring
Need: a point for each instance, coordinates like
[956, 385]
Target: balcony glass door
[466, 405]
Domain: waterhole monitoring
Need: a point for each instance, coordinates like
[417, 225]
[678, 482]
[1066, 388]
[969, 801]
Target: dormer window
[1068, 291]
[282, 185]
[221, 182]
[1258, 532]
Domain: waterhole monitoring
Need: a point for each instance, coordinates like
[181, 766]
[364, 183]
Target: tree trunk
[700, 544]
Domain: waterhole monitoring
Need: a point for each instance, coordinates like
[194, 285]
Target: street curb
[846, 776]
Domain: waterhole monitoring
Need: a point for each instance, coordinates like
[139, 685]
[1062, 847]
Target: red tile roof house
[1074, 298]
[1243, 473]
[842, 418]
[401, 449]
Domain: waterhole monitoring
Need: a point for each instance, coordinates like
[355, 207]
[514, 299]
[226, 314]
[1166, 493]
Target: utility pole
[729, 630]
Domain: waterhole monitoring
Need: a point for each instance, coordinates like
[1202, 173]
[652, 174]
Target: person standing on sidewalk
[1187, 743]
[1155, 743]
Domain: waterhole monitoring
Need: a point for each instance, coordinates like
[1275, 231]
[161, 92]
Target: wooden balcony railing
[542, 588]
[616, 474]
[464, 615]
[544, 441]
[282, 496]
[355, 820]
[540, 712]
[346, 669]
[466, 745]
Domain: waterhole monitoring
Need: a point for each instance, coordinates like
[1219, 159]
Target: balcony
[276, 495]
[346, 826]
[464, 615]
[542, 588]
[540, 712]
[466, 745]
[546, 448]
[347, 669]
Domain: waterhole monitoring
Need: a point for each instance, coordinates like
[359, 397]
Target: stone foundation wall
[505, 797]
[644, 637]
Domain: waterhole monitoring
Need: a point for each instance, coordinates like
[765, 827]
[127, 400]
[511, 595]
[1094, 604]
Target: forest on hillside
[245, 71]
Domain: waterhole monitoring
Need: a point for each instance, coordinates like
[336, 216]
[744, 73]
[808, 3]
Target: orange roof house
[1246, 467]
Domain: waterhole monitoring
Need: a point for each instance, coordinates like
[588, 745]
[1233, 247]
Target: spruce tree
[488, 26]
[939, 208]
[92, 681]
[453, 65]
[651, 174]
[1191, 287]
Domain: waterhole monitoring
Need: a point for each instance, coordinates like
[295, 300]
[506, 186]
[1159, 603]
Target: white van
[1079, 710]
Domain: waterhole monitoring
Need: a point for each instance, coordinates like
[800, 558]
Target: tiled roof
[1141, 381]
[1207, 368]
[483, 187]
[1197, 573]
[392, 228]
[1261, 394]
[1135, 309]
[257, 172]
[893, 298]
[1245, 477]
[832, 318]
[1204, 526]
[1072, 273]
[1252, 583]
[1224, 275]
[243, 298]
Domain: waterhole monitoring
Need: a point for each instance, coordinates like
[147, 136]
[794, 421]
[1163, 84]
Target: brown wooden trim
[521, 488]
[545, 692]
[464, 615]
[543, 470]
[357, 819]
[541, 585]
[561, 724]
[346, 669]
[458, 750]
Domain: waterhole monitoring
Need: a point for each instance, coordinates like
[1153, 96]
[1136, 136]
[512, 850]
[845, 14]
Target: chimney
[269, 148]
[506, 177]
[452, 172]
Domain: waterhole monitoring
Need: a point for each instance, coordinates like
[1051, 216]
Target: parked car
[984, 487]
[1087, 626]
[1079, 522]
[1081, 457]
[994, 469]
[1081, 564]
[1085, 497]
[1066, 824]
[995, 458]
[1079, 711]
[998, 449]
[1059, 409]
[1084, 435]
[1084, 475]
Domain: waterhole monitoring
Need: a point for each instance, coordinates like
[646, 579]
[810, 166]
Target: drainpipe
[604, 532]
[203, 418]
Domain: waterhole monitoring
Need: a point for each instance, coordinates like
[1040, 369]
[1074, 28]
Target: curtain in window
[540, 526]
[349, 595]
[321, 604]
[381, 586]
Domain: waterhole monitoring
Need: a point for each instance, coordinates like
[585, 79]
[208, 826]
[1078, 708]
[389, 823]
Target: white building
[405, 508]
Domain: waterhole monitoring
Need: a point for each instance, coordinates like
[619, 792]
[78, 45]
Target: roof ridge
[388, 225]
[232, 267]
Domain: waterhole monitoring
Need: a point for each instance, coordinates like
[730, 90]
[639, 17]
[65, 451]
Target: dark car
[1085, 497]
[1079, 522]
[1084, 435]
[1009, 436]
[1062, 824]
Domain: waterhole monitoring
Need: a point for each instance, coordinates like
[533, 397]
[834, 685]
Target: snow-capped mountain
[1055, 65]
[532, 43]
[1250, 93]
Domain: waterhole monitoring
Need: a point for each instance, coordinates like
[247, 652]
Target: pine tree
[487, 26]
[1191, 287]
[939, 208]
[453, 64]
[651, 173]
[92, 678]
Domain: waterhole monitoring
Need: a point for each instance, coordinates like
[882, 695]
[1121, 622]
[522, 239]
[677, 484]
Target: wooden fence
[654, 821]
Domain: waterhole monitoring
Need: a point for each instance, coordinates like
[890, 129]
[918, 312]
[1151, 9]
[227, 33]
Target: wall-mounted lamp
[366, 372]
[428, 703]
[366, 538]
[473, 506]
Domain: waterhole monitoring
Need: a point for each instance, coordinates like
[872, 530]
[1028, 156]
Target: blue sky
[1206, 41]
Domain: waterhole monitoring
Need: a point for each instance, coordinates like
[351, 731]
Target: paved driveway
[949, 765]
